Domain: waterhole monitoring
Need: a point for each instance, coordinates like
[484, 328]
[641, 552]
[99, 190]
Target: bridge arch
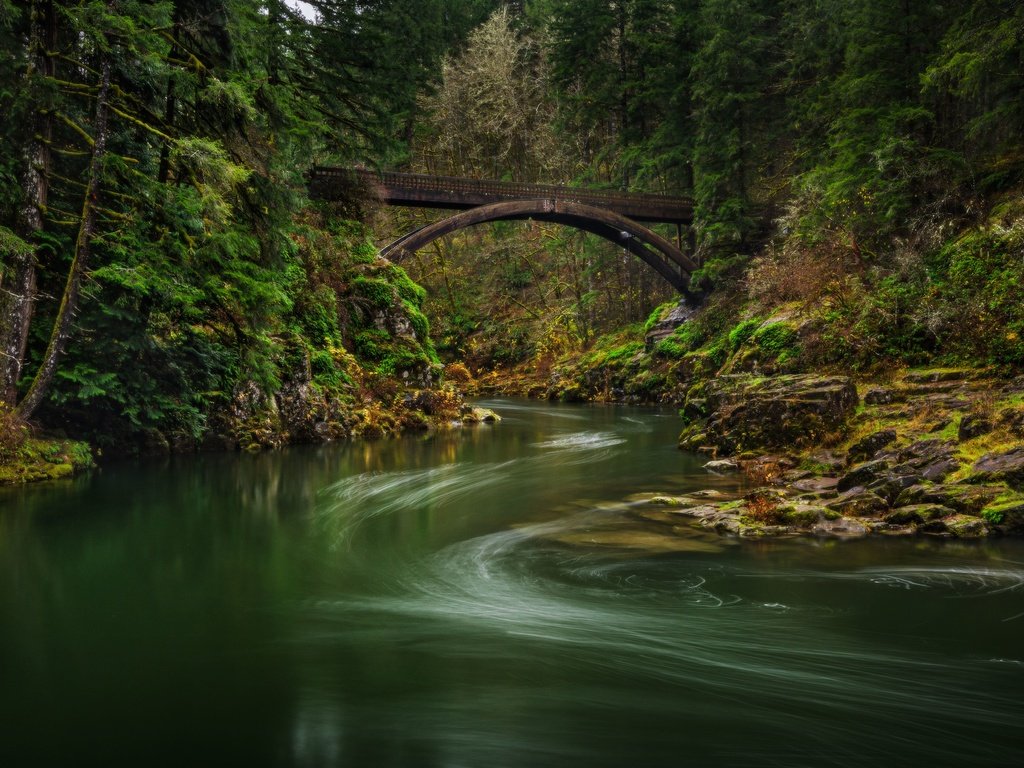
[658, 252]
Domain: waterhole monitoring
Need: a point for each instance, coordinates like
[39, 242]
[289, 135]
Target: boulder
[821, 487]
[747, 412]
[974, 425]
[872, 444]
[1007, 467]
[881, 396]
[932, 459]
[858, 503]
[1013, 420]
[892, 484]
[862, 474]
[966, 526]
[918, 513]
[938, 375]
[1007, 513]
[722, 465]
[966, 499]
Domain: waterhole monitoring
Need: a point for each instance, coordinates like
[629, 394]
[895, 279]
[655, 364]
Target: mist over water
[481, 598]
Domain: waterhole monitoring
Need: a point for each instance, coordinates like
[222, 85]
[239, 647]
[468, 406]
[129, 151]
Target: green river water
[434, 601]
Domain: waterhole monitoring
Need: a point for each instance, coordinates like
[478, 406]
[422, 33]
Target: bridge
[615, 216]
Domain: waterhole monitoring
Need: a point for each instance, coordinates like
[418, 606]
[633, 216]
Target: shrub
[457, 373]
[764, 509]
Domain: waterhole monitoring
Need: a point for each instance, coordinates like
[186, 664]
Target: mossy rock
[1006, 512]
[918, 513]
[38, 460]
[966, 526]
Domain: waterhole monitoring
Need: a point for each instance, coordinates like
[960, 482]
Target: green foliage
[777, 339]
[378, 293]
[408, 291]
[743, 331]
[372, 344]
[686, 338]
[655, 317]
[326, 372]
[13, 247]
[984, 278]
[993, 515]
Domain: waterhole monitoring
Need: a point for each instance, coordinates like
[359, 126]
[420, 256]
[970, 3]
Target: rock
[807, 515]
[880, 396]
[475, 415]
[918, 513]
[708, 493]
[938, 375]
[843, 527]
[966, 526]
[891, 485]
[791, 476]
[938, 471]
[858, 502]
[253, 418]
[1007, 466]
[966, 499]
[153, 442]
[306, 415]
[1007, 513]
[862, 474]
[827, 460]
[823, 487]
[926, 459]
[722, 465]
[775, 412]
[675, 317]
[870, 445]
[922, 453]
[665, 501]
[974, 425]
[694, 408]
[1013, 420]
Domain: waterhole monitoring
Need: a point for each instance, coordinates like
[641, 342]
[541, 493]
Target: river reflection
[484, 597]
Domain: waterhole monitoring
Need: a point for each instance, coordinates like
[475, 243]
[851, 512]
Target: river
[483, 598]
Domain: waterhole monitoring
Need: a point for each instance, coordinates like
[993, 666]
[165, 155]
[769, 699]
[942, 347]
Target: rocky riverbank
[927, 452]
[253, 421]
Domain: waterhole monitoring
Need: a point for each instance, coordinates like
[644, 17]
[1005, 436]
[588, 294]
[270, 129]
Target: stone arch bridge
[615, 216]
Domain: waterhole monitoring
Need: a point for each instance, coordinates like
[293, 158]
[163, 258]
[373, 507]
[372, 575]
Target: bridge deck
[423, 191]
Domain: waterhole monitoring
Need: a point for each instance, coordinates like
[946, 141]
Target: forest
[168, 284]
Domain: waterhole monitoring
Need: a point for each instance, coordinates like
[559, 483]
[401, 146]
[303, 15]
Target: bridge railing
[392, 184]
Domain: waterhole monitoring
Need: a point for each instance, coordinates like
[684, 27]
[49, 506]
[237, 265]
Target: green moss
[379, 293]
[627, 350]
[743, 331]
[39, 460]
[419, 322]
[408, 291]
[776, 339]
[800, 517]
[372, 344]
[656, 314]
[686, 338]
[364, 253]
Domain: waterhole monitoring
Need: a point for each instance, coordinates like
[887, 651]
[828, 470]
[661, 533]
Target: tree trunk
[18, 300]
[83, 244]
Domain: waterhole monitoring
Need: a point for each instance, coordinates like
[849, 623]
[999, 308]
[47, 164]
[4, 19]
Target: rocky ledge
[937, 452]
